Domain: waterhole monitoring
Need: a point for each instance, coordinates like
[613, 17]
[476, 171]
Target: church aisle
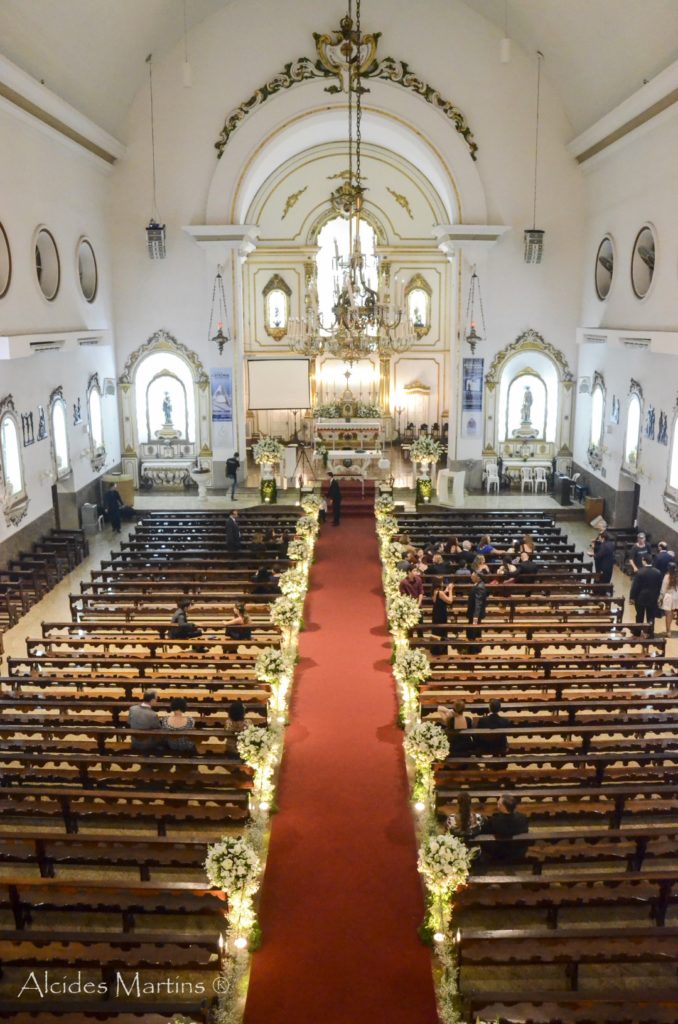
[341, 897]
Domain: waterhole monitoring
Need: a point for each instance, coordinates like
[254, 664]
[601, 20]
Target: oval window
[5, 263]
[47, 268]
[642, 262]
[88, 274]
[604, 268]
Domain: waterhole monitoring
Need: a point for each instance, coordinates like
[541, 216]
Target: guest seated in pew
[466, 555]
[438, 567]
[505, 823]
[487, 549]
[144, 716]
[464, 824]
[264, 581]
[453, 546]
[494, 745]
[527, 567]
[178, 721]
[506, 569]
[258, 545]
[239, 627]
[457, 726]
[181, 628]
[480, 565]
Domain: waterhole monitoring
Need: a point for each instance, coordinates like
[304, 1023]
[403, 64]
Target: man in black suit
[233, 532]
[647, 584]
[334, 493]
[505, 823]
[496, 745]
[603, 556]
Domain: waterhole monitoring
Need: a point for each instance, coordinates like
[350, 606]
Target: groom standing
[334, 492]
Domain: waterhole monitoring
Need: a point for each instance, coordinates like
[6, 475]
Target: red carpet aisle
[341, 897]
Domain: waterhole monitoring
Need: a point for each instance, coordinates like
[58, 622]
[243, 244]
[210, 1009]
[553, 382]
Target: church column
[465, 245]
[227, 247]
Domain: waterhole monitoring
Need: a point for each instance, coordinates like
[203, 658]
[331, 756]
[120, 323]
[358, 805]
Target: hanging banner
[472, 398]
[221, 389]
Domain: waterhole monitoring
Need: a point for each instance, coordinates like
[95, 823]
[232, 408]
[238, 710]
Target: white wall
[47, 181]
[450, 46]
[633, 183]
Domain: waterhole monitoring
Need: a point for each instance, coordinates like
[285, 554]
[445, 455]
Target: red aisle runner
[341, 899]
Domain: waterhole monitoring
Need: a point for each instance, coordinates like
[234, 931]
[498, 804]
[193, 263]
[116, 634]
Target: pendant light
[534, 236]
[155, 231]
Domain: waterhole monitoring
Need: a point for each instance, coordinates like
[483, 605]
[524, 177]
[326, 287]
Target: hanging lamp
[155, 231]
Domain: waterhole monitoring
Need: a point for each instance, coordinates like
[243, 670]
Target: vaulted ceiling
[91, 52]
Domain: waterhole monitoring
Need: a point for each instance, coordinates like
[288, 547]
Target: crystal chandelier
[364, 321]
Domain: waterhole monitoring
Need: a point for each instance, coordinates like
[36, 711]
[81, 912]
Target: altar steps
[353, 502]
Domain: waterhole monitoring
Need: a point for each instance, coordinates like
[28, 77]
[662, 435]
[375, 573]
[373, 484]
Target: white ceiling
[91, 52]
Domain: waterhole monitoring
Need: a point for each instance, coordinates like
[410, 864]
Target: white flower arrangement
[426, 450]
[403, 613]
[298, 551]
[328, 411]
[233, 866]
[427, 743]
[364, 410]
[445, 863]
[271, 664]
[412, 666]
[384, 505]
[286, 612]
[268, 451]
[387, 527]
[257, 746]
[311, 504]
[293, 583]
[306, 526]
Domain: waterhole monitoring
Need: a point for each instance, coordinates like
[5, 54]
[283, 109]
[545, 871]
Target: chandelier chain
[149, 61]
[359, 106]
[540, 57]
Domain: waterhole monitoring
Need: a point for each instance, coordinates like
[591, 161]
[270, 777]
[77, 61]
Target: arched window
[96, 424]
[632, 438]
[334, 241]
[597, 414]
[12, 468]
[62, 459]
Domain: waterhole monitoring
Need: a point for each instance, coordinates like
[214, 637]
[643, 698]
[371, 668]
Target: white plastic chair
[492, 477]
[526, 479]
[539, 479]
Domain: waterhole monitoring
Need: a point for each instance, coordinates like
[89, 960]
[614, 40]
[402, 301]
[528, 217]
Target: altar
[352, 433]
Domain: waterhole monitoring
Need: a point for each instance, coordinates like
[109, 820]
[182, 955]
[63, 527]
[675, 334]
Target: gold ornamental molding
[401, 200]
[529, 341]
[292, 201]
[331, 63]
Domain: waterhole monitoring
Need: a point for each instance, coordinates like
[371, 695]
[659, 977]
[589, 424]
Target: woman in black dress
[442, 596]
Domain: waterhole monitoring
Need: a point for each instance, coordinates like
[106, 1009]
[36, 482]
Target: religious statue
[526, 407]
[167, 409]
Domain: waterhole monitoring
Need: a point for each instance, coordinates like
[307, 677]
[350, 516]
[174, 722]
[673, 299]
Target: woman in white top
[668, 596]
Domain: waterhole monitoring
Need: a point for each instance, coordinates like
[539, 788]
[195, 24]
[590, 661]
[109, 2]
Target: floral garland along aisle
[444, 860]
[236, 864]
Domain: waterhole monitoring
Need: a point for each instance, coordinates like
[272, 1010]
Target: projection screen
[279, 384]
